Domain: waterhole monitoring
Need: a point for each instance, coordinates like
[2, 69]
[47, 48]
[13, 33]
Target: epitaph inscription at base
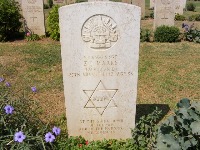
[100, 52]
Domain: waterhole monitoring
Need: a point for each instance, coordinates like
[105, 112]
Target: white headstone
[140, 3]
[100, 51]
[184, 3]
[34, 16]
[152, 3]
[59, 2]
[96, 0]
[164, 12]
[179, 7]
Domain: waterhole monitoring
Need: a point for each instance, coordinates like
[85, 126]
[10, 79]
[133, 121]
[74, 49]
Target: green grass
[167, 72]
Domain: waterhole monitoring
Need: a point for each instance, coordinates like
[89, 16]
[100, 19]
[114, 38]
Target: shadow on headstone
[145, 109]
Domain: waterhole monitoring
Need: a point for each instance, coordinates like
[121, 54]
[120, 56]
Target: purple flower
[9, 109]
[1, 79]
[8, 84]
[34, 89]
[19, 136]
[49, 137]
[56, 130]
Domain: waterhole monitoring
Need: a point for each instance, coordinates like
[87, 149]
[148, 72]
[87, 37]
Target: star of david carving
[100, 98]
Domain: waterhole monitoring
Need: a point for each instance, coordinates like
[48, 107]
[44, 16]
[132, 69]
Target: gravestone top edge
[99, 2]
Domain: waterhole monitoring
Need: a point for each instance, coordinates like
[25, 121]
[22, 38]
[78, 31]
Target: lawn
[167, 72]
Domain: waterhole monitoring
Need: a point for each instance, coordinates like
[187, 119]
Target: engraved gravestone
[179, 7]
[34, 16]
[140, 3]
[100, 50]
[164, 12]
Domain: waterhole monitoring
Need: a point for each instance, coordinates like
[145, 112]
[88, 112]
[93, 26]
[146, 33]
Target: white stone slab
[179, 7]
[34, 16]
[152, 3]
[140, 3]
[97, 0]
[184, 3]
[59, 2]
[164, 13]
[100, 52]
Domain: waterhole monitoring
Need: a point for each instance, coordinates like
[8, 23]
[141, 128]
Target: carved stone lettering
[101, 98]
[100, 32]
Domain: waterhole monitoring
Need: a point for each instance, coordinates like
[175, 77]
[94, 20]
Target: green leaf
[184, 103]
[195, 126]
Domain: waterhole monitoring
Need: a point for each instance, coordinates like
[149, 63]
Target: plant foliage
[145, 133]
[166, 34]
[53, 23]
[181, 131]
[190, 6]
[24, 118]
[145, 35]
[193, 35]
[9, 19]
[179, 17]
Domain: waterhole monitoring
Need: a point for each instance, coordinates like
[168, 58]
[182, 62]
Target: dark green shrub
[9, 19]
[46, 6]
[191, 6]
[195, 17]
[179, 17]
[145, 35]
[53, 23]
[166, 34]
[152, 15]
[181, 131]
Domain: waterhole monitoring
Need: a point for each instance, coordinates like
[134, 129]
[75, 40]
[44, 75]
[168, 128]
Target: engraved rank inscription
[100, 32]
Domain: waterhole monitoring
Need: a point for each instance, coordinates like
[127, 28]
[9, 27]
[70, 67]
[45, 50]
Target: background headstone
[127, 1]
[164, 12]
[96, 0]
[152, 3]
[179, 7]
[59, 2]
[68, 2]
[140, 3]
[45, 1]
[34, 16]
[100, 51]
[184, 3]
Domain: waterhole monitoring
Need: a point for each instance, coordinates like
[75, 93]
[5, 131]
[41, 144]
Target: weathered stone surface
[70, 2]
[164, 12]
[152, 3]
[34, 16]
[100, 51]
[59, 2]
[96, 0]
[140, 3]
[179, 7]
[184, 3]
[127, 1]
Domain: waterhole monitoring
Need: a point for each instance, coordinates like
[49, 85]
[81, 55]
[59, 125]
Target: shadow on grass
[145, 109]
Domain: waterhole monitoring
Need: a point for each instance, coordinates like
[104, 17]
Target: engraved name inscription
[100, 32]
